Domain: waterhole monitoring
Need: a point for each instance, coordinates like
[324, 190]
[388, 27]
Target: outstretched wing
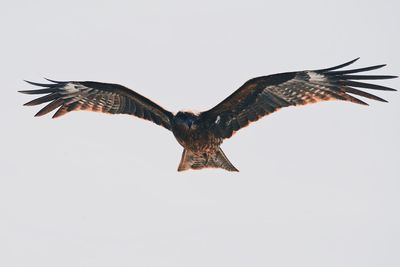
[263, 95]
[95, 96]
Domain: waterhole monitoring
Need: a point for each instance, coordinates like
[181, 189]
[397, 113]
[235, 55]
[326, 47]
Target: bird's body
[201, 147]
[191, 132]
[202, 134]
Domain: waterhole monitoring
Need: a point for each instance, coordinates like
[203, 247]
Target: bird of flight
[202, 134]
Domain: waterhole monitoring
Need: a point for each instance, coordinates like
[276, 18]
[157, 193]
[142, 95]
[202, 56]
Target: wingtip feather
[40, 84]
[39, 114]
[53, 81]
[60, 112]
[339, 66]
[27, 104]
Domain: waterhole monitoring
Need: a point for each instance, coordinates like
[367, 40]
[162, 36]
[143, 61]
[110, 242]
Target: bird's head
[186, 119]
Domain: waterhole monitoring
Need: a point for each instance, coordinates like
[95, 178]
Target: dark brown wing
[263, 95]
[100, 97]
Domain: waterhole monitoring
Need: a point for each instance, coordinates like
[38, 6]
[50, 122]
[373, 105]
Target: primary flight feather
[202, 134]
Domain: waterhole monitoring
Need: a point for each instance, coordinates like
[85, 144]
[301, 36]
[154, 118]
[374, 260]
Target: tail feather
[196, 161]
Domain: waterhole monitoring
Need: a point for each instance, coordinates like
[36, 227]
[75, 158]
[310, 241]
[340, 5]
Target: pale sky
[318, 185]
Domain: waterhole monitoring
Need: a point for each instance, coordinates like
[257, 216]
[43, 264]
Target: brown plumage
[202, 134]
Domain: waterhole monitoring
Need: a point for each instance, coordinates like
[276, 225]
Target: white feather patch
[71, 88]
[315, 76]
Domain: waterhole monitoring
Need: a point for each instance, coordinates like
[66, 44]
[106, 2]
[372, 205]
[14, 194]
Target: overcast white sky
[319, 185]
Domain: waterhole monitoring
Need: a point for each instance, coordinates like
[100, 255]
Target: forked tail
[196, 161]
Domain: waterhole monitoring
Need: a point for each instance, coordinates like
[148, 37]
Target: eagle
[201, 134]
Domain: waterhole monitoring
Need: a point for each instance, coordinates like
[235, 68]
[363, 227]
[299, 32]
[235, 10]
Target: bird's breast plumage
[192, 133]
